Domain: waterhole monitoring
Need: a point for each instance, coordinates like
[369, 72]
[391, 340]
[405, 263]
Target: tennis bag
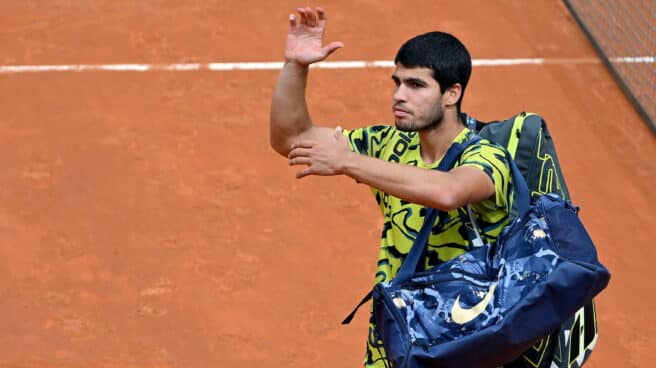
[529, 143]
[487, 306]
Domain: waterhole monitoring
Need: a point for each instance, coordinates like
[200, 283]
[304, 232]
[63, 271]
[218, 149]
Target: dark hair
[441, 52]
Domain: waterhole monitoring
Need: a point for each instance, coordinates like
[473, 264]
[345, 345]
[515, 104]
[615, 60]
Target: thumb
[331, 47]
[338, 132]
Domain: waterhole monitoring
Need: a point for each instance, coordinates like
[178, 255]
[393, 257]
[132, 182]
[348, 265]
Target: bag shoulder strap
[409, 265]
[521, 200]
[412, 260]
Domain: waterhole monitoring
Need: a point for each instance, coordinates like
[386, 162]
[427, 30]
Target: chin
[402, 127]
[407, 126]
[406, 129]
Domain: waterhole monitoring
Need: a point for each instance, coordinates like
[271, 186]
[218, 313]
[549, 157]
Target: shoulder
[493, 160]
[379, 131]
[373, 140]
[486, 153]
[484, 146]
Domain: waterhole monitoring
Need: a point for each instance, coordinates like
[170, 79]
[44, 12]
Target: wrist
[349, 164]
[296, 65]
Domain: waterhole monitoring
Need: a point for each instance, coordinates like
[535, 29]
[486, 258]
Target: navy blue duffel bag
[487, 306]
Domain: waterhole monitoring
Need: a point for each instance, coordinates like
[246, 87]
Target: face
[417, 99]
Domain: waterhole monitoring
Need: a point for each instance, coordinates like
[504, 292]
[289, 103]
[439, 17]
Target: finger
[338, 132]
[321, 13]
[332, 47]
[292, 20]
[312, 18]
[304, 173]
[300, 161]
[303, 144]
[301, 12]
[299, 152]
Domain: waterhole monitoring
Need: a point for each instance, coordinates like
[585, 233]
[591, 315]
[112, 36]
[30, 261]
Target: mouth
[400, 113]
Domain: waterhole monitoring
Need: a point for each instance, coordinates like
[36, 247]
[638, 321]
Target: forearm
[429, 188]
[289, 113]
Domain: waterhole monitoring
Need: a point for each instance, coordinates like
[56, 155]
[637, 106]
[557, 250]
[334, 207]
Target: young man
[397, 162]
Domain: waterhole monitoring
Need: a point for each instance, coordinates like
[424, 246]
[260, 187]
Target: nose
[399, 94]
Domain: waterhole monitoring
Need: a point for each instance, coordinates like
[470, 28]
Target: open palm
[305, 38]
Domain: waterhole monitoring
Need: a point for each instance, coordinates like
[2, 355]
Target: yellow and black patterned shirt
[403, 220]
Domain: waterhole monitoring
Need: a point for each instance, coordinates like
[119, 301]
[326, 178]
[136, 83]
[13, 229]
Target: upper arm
[470, 185]
[370, 140]
[484, 170]
[314, 133]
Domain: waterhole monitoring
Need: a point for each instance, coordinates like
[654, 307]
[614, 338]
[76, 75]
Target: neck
[435, 142]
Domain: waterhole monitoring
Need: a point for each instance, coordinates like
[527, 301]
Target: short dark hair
[441, 52]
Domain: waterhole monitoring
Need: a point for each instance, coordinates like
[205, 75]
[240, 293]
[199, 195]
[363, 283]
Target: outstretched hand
[305, 37]
[321, 158]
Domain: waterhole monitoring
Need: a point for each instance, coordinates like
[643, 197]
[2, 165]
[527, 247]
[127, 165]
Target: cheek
[432, 105]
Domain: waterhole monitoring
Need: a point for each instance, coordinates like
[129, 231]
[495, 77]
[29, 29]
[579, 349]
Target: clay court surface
[145, 222]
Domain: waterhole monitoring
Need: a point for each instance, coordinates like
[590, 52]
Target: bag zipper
[410, 283]
[389, 304]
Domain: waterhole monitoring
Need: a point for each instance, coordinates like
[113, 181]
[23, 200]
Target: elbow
[451, 202]
[279, 139]
[282, 136]
[445, 199]
[280, 146]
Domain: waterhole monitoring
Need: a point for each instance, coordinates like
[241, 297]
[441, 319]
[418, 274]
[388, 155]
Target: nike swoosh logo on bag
[461, 315]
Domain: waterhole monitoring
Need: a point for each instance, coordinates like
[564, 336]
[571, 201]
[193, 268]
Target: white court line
[16, 69]
[634, 59]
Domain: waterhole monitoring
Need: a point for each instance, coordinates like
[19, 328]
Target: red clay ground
[145, 222]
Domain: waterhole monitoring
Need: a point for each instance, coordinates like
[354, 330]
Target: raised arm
[290, 120]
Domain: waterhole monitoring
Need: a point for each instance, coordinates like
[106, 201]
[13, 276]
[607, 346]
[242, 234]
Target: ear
[452, 95]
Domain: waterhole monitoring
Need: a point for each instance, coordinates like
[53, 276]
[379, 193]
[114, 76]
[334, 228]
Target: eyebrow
[409, 80]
